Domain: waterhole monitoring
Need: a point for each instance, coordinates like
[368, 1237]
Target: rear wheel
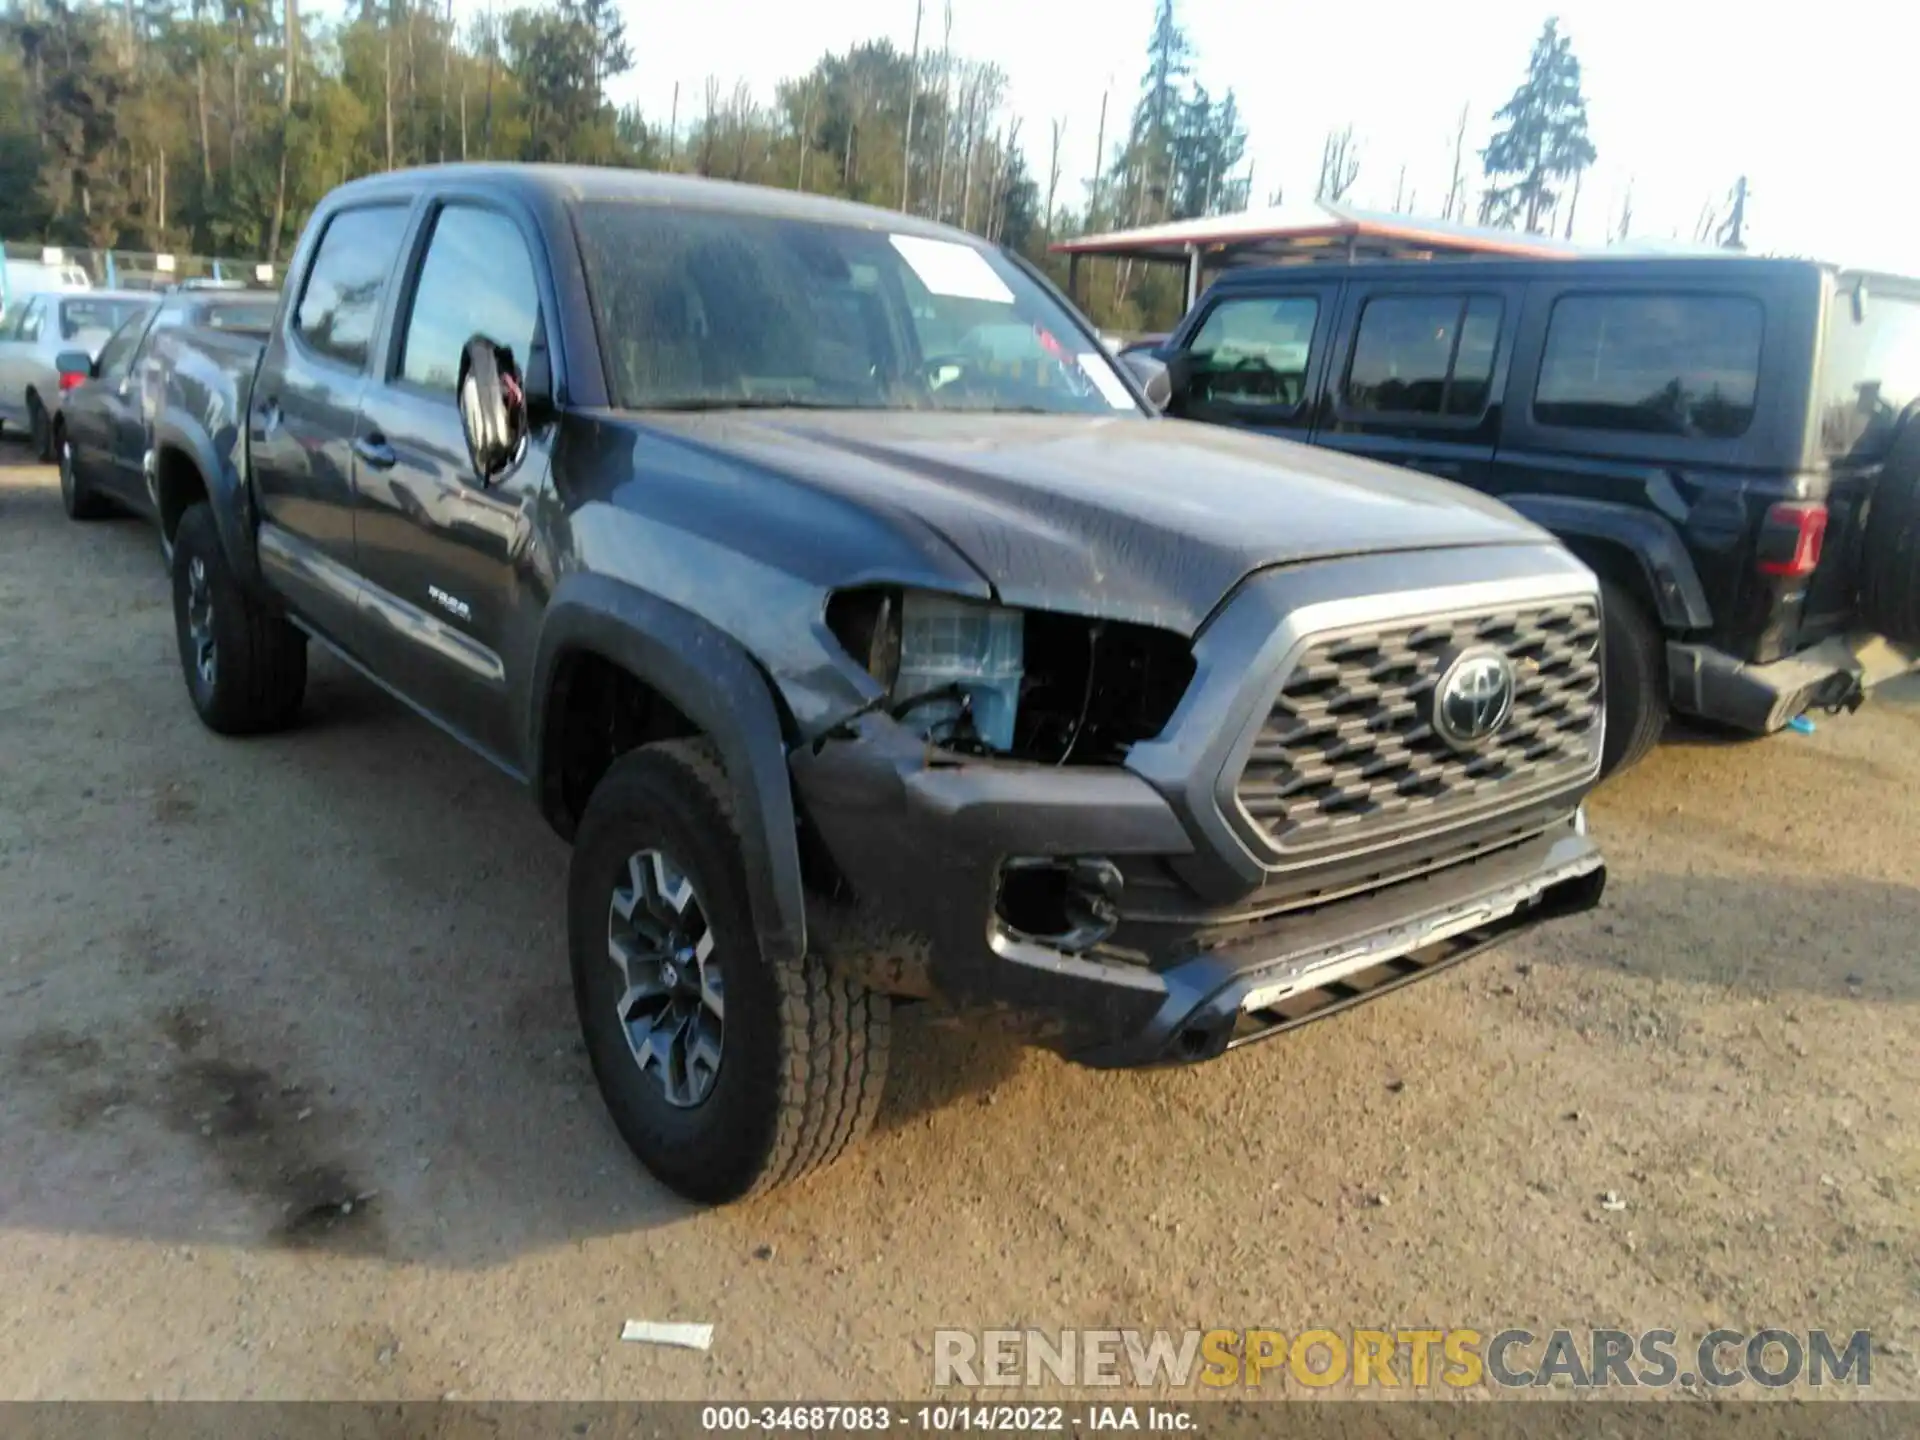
[1634, 661]
[726, 1073]
[245, 667]
[79, 502]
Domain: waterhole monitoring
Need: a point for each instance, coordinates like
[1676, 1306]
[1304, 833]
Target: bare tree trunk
[806, 134]
[486, 115]
[913, 94]
[206, 143]
[1099, 161]
[673, 124]
[446, 78]
[160, 208]
[966, 193]
[1573, 204]
[463, 114]
[292, 27]
[946, 115]
[1456, 206]
[386, 72]
[705, 165]
[1053, 178]
[413, 106]
[236, 120]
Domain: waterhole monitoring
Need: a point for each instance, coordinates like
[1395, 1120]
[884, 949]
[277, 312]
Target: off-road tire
[804, 1056]
[1890, 564]
[1635, 666]
[260, 671]
[79, 500]
[39, 430]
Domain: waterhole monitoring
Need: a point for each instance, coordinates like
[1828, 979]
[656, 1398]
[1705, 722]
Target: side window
[1651, 364]
[1424, 355]
[477, 279]
[117, 354]
[1254, 352]
[341, 302]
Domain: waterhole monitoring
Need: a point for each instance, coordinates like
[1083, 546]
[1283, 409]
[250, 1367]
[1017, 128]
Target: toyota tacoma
[870, 637]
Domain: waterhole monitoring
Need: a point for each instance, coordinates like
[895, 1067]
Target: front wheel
[725, 1072]
[79, 501]
[245, 667]
[1636, 680]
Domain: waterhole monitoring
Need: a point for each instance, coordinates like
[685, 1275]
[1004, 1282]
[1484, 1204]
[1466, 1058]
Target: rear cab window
[1651, 363]
[1870, 369]
[91, 316]
[340, 303]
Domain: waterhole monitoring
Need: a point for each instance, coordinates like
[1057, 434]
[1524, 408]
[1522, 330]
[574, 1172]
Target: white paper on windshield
[1111, 389]
[946, 267]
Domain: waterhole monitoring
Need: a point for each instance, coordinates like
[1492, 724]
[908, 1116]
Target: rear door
[17, 344]
[304, 410]
[441, 552]
[1416, 372]
[1257, 357]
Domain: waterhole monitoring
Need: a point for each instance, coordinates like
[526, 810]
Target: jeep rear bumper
[1837, 673]
[927, 845]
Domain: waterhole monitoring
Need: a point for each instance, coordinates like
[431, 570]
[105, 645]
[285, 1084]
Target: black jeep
[1727, 441]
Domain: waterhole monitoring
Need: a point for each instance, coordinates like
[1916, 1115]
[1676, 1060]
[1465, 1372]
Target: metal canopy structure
[1303, 234]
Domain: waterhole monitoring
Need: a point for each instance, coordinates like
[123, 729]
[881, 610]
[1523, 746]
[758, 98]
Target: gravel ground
[294, 1105]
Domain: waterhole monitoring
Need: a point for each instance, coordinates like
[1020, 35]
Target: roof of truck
[594, 182]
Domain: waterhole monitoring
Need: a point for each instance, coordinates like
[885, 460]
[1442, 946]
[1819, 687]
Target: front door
[18, 343]
[444, 556]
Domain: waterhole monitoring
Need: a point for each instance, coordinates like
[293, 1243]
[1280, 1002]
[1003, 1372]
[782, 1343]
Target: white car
[35, 332]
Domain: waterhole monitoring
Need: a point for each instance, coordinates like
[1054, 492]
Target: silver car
[35, 331]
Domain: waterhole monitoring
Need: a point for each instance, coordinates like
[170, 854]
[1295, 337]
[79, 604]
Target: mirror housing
[76, 362]
[1153, 376]
[493, 408]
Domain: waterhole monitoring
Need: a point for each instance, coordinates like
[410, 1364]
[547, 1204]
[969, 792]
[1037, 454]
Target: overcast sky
[1814, 103]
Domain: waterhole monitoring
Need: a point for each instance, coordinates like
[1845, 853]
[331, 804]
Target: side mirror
[493, 407]
[1153, 376]
[76, 362]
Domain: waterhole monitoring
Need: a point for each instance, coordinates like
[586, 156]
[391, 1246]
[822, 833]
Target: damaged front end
[1140, 848]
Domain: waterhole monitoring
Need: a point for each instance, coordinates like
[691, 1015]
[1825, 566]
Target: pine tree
[1543, 140]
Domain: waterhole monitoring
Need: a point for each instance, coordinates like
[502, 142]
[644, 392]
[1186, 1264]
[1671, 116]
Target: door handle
[269, 418]
[373, 450]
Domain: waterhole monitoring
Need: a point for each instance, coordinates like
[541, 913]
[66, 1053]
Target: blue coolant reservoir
[979, 648]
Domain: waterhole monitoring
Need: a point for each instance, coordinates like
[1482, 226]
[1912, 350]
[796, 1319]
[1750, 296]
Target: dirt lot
[246, 986]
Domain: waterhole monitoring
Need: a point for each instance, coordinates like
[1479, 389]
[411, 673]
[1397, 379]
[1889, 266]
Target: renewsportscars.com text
[1400, 1358]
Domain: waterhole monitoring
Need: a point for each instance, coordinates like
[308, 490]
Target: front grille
[1348, 753]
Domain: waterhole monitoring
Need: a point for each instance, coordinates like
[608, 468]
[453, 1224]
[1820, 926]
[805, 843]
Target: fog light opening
[1068, 905]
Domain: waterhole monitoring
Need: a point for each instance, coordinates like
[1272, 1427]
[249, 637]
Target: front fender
[711, 680]
[1649, 540]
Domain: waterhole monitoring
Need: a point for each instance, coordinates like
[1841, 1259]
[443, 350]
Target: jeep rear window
[716, 310]
[1870, 372]
[1651, 364]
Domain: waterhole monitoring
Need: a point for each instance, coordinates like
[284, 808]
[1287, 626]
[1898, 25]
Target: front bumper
[1837, 673]
[922, 838]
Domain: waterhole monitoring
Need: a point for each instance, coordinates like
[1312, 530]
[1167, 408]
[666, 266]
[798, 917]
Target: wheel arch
[187, 469]
[697, 681]
[1637, 549]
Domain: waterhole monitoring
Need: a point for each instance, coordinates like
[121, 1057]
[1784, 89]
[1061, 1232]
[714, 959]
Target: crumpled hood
[1153, 521]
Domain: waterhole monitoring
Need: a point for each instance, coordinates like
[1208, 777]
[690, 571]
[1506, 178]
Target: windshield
[1871, 372]
[707, 310]
[94, 316]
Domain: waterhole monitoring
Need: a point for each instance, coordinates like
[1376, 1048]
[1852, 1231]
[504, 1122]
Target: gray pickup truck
[871, 639]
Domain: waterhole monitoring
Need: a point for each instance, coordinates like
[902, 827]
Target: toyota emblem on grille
[1473, 698]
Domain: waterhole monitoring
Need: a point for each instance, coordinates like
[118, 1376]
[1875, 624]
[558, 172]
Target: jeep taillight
[1791, 537]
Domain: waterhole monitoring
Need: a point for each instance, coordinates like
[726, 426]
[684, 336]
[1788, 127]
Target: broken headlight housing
[1036, 685]
[951, 667]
